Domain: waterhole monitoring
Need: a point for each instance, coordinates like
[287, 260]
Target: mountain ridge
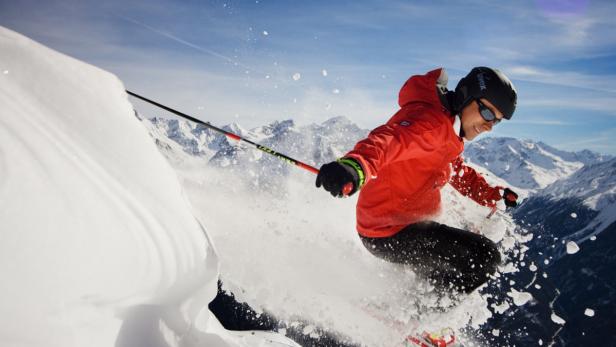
[526, 165]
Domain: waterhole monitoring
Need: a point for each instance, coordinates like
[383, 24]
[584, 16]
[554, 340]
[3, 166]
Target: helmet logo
[482, 81]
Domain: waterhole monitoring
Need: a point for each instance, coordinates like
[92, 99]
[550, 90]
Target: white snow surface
[297, 255]
[99, 246]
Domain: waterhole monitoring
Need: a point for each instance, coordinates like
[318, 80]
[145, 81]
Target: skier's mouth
[477, 130]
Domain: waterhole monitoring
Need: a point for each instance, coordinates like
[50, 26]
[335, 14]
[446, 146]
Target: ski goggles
[486, 113]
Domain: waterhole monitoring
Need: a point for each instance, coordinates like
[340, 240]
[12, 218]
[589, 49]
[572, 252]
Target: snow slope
[99, 246]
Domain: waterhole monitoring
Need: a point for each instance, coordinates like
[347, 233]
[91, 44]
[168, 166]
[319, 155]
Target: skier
[401, 166]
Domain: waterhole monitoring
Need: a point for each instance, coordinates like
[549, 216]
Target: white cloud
[188, 44]
[603, 141]
[549, 122]
[568, 78]
[603, 105]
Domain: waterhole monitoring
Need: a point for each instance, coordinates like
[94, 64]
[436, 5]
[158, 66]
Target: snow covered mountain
[313, 144]
[527, 164]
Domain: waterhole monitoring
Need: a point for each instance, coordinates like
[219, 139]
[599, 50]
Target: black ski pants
[453, 260]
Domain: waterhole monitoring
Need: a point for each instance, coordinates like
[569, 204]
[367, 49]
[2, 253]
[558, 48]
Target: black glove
[336, 175]
[510, 197]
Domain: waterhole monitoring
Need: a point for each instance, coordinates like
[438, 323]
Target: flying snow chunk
[574, 215]
[508, 242]
[6, 72]
[265, 33]
[532, 267]
[324, 73]
[297, 76]
[572, 247]
[589, 312]
[502, 308]
[519, 298]
[592, 238]
[556, 319]
[336, 91]
[308, 329]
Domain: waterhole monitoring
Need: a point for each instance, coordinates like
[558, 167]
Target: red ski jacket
[410, 158]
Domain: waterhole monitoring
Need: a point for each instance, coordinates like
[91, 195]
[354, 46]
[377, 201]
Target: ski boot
[445, 338]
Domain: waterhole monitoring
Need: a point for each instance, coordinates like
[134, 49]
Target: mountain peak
[595, 184]
[335, 121]
[526, 163]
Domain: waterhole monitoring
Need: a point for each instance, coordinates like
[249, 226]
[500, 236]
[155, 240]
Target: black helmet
[491, 84]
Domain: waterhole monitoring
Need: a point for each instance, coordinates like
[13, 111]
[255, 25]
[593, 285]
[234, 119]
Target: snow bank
[99, 247]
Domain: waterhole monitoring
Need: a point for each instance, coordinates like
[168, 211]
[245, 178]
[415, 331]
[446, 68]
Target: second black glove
[510, 197]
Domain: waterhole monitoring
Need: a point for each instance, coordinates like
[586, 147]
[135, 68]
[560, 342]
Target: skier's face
[473, 123]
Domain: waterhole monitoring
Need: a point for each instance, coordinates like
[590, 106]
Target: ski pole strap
[355, 165]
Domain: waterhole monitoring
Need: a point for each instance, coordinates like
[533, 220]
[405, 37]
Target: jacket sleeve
[396, 142]
[470, 183]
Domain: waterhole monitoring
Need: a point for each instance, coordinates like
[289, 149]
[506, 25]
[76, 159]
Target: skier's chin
[471, 136]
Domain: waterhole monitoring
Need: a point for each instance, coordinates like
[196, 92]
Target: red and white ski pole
[345, 191]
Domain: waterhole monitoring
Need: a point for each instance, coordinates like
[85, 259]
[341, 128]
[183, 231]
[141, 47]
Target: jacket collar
[457, 126]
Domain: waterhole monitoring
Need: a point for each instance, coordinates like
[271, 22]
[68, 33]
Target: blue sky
[235, 61]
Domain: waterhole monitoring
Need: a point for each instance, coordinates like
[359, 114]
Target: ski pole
[345, 191]
[492, 212]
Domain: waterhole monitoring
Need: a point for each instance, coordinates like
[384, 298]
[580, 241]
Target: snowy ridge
[527, 164]
[314, 142]
[594, 184]
[99, 247]
[594, 188]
